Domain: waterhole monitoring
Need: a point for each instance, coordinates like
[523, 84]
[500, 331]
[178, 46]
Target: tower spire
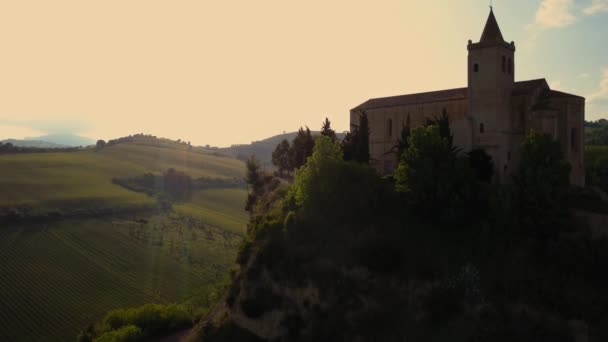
[491, 32]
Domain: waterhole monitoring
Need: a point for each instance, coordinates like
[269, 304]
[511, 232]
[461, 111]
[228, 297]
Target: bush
[332, 189]
[127, 333]
[152, 319]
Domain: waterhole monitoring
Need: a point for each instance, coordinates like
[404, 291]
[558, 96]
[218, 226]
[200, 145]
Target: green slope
[59, 276]
[47, 181]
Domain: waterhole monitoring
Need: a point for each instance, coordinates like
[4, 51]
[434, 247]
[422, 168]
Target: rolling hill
[78, 245]
[262, 149]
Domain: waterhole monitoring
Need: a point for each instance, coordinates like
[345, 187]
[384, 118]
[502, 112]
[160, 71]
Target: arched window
[389, 128]
[510, 66]
[476, 67]
[481, 128]
[504, 64]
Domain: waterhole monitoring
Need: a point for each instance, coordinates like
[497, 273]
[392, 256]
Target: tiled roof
[403, 100]
[519, 88]
[525, 87]
[557, 94]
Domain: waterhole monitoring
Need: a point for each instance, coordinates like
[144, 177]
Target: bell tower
[491, 75]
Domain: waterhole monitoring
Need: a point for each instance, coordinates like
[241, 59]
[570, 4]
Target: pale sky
[225, 72]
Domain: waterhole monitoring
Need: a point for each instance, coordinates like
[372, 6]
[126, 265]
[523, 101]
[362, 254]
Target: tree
[281, 156]
[253, 178]
[327, 131]
[361, 141]
[482, 164]
[541, 183]
[302, 145]
[326, 150]
[443, 123]
[100, 144]
[348, 145]
[434, 180]
[402, 143]
[346, 193]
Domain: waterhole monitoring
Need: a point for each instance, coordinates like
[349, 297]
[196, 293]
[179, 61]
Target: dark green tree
[541, 184]
[302, 144]
[434, 180]
[402, 143]
[327, 131]
[100, 144]
[361, 146]
[482, 165]
[348, 145]
[443, 123]
[281, 156]
[253, 173]
[253, 178]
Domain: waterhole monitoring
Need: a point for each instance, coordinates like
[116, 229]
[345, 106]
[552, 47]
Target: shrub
[127, 333]
[328, 188]
[152, 319]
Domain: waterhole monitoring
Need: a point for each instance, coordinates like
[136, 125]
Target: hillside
[75, 245]
[342, 254]
[262, 149]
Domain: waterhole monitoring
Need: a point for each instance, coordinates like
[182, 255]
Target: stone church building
[493, 112]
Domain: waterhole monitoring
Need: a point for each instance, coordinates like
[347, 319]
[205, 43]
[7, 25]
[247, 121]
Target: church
[493, 112]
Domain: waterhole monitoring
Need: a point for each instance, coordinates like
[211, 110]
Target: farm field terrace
[59, 275]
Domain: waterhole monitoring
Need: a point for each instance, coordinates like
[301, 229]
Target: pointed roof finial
[491, 32]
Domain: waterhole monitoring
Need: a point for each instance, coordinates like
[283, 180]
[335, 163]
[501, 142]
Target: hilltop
[342, 254]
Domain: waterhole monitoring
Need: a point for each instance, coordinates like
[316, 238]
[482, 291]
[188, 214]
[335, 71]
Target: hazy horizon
[236, 72]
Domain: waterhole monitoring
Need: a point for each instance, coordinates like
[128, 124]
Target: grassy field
[593, 153]
[56, 277]
[50, 181]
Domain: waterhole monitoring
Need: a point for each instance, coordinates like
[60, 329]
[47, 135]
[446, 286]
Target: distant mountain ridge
[67, 140]
[32, 143]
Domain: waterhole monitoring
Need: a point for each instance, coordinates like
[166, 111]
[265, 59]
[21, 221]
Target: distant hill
[262, 149]
[63, 139]
[33, 143]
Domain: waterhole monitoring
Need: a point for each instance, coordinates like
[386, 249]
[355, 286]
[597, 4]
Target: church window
[389, 127]
[476, 67]
[510, 66]
[504, 64]
[481, 128]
